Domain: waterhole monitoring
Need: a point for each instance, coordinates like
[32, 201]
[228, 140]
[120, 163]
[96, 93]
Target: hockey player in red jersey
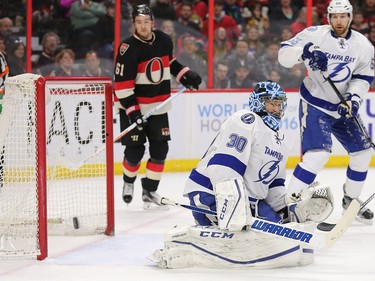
[143, 69]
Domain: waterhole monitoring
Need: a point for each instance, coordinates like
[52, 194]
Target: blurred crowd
[76, 37]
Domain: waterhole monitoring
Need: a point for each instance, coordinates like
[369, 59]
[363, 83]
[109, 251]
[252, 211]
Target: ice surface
[139, 233]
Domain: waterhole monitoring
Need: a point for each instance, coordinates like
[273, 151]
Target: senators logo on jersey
[123, 48]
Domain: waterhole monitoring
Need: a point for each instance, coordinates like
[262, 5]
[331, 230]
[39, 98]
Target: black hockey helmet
[143, 10]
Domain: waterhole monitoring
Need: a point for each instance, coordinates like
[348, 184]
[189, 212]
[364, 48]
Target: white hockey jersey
[350, 65]
[244, 147]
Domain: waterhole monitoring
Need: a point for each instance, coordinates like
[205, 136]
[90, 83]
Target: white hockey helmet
[340, 7]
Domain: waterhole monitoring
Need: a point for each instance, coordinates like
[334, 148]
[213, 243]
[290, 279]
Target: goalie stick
[324, 226]
[75, 166]
[356, 119]
[319, 239]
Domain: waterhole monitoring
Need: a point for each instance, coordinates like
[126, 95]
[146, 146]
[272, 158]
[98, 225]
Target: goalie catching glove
[314, 203]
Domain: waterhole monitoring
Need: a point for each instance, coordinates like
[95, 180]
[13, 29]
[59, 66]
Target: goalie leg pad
[314, 203]
[209, 247]
[232, 204]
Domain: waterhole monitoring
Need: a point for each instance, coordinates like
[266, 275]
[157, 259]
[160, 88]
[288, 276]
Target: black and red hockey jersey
[143, 72]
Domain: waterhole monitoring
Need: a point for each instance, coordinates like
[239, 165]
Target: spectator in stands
[320, 6]
[232, 9]
[241, 78]
[93, 68]
[167, 26]
[222, 46]
[200, 8]
[267, 61]
[164, 10]
[240, 55]
[4, 72]
[221, 79]
[188, 21]
[368, 7]
[105, 32]
[274, 76]
[294, 76]
[42, 20]
[46, 60]
[285, 33]
[84, 16]
[258, 20]
[17, 58]
[64, 64]
[285, 13]
[2, 46]
[190, 56]
[253, 40]
[358, 23]
[301, 22]
[371, 36]
[6, 31]
[66, 5]
[223, 20]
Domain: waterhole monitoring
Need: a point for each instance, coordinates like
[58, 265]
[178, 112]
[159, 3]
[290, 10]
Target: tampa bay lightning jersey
[244, 147]
[350, 65]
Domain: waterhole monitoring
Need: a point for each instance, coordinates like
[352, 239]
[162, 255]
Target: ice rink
[139, 233]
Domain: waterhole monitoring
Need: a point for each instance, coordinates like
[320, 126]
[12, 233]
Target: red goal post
[48, 125]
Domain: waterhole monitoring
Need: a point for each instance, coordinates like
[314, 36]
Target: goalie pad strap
[232, 205]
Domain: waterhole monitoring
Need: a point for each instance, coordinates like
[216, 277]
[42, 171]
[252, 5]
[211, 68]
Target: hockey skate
[127, 192]
[365, 215]
[151, 201]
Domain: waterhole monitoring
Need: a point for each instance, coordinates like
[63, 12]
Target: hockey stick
[75, 166]
[323, 226]
[356, 119]
[320, 239]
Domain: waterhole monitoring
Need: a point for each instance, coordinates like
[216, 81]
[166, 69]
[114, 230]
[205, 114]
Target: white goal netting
[50, 172]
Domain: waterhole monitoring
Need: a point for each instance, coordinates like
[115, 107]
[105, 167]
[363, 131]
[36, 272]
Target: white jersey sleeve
[350, 65]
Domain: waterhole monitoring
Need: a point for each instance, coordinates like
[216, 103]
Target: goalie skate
[127, 192]
[365, 215]
[152, 201]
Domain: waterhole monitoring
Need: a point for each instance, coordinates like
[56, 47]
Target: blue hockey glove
[350, 109]
[191, 79]
[317, 59]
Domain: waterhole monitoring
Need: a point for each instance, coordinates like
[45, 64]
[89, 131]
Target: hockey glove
[315, 203]
[136, 117]
[317, 59]
[191, 80]
[350, 109]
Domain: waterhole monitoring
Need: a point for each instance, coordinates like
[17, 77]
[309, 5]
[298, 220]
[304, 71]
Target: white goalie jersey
[350, 65]
[245, 147]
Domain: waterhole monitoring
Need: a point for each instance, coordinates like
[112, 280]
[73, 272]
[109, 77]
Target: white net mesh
[77, 197]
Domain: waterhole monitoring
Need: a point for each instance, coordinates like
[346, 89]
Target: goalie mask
[268, 91]
[142, 10]
[340, 7]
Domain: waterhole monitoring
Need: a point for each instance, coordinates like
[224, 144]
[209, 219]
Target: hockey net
[48, 125]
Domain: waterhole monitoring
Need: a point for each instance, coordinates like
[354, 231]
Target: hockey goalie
[241, 178]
